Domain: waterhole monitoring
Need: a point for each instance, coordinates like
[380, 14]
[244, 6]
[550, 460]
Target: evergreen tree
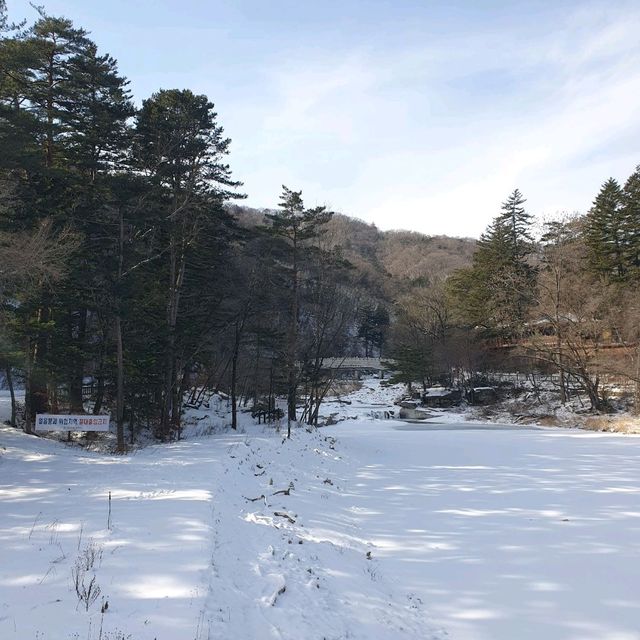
[53, 43]
[35, 85]
[180, 147]
[515, 224]
[95, 145]
[373, 325]
[294, 225]
[496, 290]
[630, 225]
[97, 114]
[604, 232]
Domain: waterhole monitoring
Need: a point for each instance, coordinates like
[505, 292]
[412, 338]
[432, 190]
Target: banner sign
[49, 422]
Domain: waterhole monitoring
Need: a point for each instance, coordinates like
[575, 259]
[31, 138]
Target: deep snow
[400, 532]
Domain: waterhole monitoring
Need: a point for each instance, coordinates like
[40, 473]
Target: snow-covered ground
[388, 531]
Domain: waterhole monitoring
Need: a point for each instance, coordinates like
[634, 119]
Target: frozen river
[504, 533]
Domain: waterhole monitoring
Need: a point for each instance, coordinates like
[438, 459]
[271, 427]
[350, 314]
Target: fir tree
[180, 146]
[373, 325]
[516, 224]
[294, 225]
[630, 225]
[604, 232]
[496, 290]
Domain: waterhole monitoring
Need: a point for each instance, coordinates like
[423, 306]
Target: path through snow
[189, 555]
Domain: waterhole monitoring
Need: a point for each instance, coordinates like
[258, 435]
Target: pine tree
[180, 146]
[35, 85]
[54, 43]
[516, 225]
[295, 225]
[373, 324]
[496, 290]
[604, 232]
[630, 225]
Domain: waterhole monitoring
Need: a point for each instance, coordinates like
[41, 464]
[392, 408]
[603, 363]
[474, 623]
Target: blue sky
[421, 115]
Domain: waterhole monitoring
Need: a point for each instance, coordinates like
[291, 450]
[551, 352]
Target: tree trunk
[167, 408]
[636, 395]
[185, 381]
[28, 414]
[171, 404]
[38, 392]
[256, 373]
[119, 386]
[119, 350]
[591, 388]
[234, 378]
[76, 404]
[292, 343]
[563, 382]
[100, 389]
[12, 393]
[50, 105]
[271, 400]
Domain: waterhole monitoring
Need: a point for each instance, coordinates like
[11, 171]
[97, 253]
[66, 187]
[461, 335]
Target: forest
[132, 279]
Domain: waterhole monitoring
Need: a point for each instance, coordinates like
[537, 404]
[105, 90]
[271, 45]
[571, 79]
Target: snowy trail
[187, 556]
[307, 577]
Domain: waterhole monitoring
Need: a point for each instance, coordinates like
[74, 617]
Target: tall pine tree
[630, 225]
[604, 232]
[496, 291]
[180, 147]
[295, 226]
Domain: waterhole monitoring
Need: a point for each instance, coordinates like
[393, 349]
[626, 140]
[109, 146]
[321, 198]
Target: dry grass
[549, 421]
[613, 424]
[342, 388]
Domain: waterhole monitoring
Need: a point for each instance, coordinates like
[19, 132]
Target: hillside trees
[162, 288]
[631, 223]
[144, 203]
[421, 338]
[123, 267]
[612, 235]
[565, 303]
[32, 262]
[495, 291]
[330, 303]
[569, 318]
[55, 171]
[373, 325]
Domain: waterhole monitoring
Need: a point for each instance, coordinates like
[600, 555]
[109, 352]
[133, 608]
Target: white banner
[50, 422]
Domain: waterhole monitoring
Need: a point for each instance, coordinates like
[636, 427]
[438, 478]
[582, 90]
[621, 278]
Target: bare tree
[30, 263]
[570, 317]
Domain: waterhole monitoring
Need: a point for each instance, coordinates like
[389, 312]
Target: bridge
[354, 368]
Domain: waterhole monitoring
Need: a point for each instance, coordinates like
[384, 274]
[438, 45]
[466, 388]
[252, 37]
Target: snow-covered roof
[355, 363]
[437, 391]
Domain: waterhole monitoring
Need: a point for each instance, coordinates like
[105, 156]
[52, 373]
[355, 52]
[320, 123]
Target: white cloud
[413, 138]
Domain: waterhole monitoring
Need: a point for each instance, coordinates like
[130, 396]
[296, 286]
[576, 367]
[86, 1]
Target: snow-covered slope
[230, 536]
[367, 529]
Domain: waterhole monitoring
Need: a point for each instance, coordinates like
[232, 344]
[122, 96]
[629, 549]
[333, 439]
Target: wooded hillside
[130, 279]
